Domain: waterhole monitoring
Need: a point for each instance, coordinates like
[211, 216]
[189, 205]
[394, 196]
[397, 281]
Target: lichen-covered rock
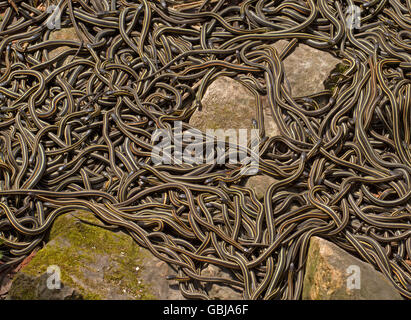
[333, 274]
[94, 263]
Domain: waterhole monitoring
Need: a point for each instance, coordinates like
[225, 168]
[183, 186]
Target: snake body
[77, 129]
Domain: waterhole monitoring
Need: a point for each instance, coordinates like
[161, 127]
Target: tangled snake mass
[77, 132]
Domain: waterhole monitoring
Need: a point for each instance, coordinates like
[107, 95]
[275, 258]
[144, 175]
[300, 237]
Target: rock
[62, 34]
[160, 288]
[94, 263]
[228, 104]
[306, 68]
[220, 291]
[27, 287]
[270, 126]
[260, 184]
[335, 76]
[333, 274]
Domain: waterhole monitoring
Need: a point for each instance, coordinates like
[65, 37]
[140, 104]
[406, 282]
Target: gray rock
[63, 34]
[333, 274]
[260, 184]
[306, 68]
[220, 291]
[154, 271]
[228, 104]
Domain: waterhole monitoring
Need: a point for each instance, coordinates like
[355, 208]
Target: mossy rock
[94, 263]
[333, 274]
[335, 75]
[27, 287]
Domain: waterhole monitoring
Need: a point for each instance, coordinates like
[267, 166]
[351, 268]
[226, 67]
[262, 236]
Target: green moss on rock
[24, 288]
[27, 287]
[98, 263]
[331, 82]
[326, 276]
[312, 264]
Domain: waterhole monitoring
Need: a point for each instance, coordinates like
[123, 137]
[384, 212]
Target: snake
[78, 129]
